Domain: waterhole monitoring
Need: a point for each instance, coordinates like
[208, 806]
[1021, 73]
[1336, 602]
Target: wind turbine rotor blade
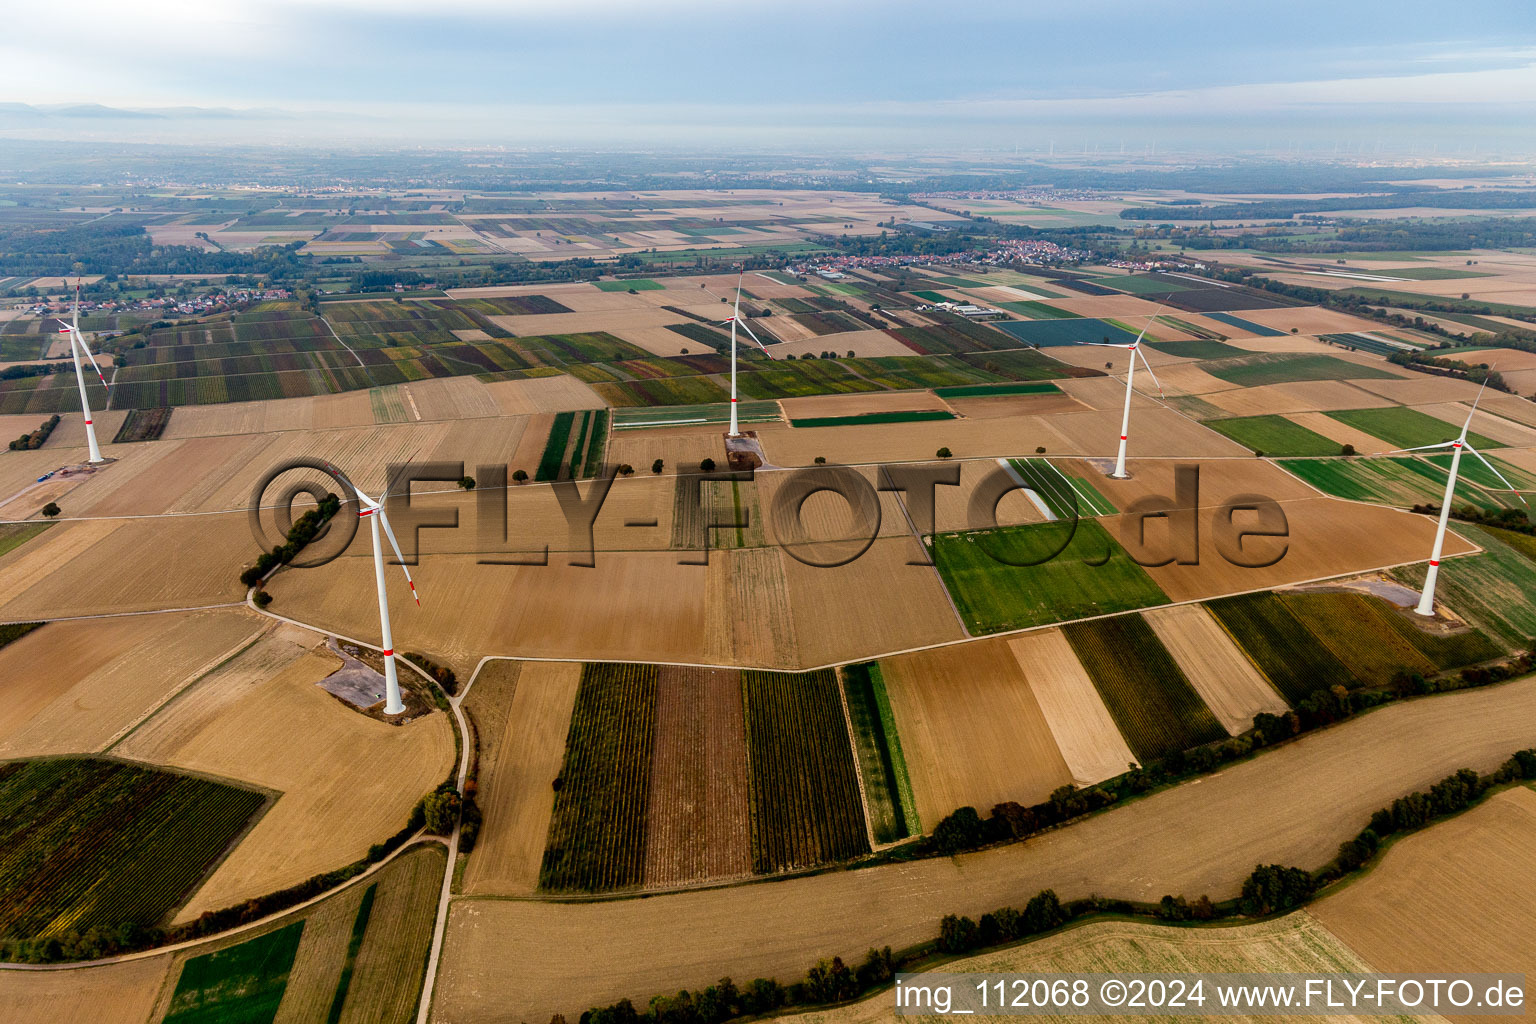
[1465, 426]
[94, 366]
[755, 338]
[1103, 344]
[1138, 353]
[1421, 448]
[1495, 472]
[384, 522]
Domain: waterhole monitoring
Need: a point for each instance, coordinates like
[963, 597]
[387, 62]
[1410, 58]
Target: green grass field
[998, 390]
[907, 416]
[1407, 428]
[1274, 435]
[88, 841]
[638, 285]
[1495, 590]
[1282, 647]
[888, 796]
[928, 296]
[1088, 574]
[1203, 349]
[1037, 310]
[1472, 469]
[243, 984]
[1403, 481]
[553, 459]
[1281, 368]
[1147, 694]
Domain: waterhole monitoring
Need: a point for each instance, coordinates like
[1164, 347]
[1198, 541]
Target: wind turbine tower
[76, 346]
[1130, 377]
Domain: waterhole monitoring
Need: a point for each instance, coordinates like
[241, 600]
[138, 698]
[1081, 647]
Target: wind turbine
[76, 346]
[374, 510]
[733, 321]
[1130, 376]
[1426, 604]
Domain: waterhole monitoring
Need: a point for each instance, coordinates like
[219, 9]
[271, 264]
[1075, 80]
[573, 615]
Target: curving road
[527, 959]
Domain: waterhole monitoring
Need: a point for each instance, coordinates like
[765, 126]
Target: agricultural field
[888, 800]
[597, 831]
[1402, 481]
[1294, 943]
[93, 842]
[244, 982]
[1019, 576]
[1283, 648]
[1151, 701]
[1259, 370]
[1378, 641]
[1274, 435]
[699, 817]
[1226, 680]
[1407, 428]
[804, 786]
[971, 729]
[636, 948]
[522, 714]
[1451, 898]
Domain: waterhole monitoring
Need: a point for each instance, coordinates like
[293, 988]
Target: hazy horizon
[1404, 78]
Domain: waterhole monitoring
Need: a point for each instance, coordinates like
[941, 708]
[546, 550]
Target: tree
[519, 476]
[441, 808]
[1347, 449]
[657, 466]
[944, 453]
[1272, 887]
[1040, 450]
[468, 483]
[50, 510]
[263, 599]
[707, 465]
[821, 460]
[625, 469]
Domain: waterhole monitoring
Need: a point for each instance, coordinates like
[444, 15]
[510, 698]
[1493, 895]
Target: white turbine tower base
[76, 346]
[1426, 605]
[1130, 377]
[374, 510]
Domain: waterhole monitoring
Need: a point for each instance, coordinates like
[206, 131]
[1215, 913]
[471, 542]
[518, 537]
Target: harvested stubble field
[971, 730]
[1454, 897]
[78, 686]
[260, 717]
[1090, 743]
[804, 786]
[1219, 671]
[1145, 691]
[698, 813]
[1284, 399]
[597, 832]
[522, 713]
[1295, 943]
[106, 566]
[125, 991]
[1020, 576]
[568, 957]
[92, 842]
[1284, 368]
[1326, 538]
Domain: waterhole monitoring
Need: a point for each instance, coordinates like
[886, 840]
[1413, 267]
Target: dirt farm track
[1292, 805]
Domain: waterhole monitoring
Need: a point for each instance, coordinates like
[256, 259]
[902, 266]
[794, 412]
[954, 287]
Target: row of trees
[35, 439]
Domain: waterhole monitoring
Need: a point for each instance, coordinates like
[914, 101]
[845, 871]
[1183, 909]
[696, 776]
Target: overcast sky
[519, 67]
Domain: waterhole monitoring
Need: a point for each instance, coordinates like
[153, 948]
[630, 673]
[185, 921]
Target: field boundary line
[121, 615]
